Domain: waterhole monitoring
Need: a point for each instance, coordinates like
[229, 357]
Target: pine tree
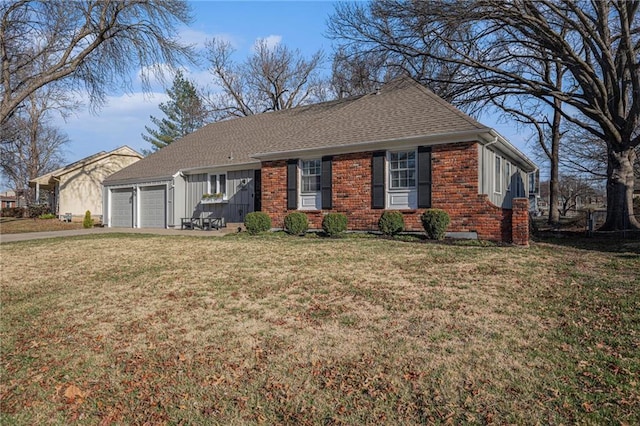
[185, 113]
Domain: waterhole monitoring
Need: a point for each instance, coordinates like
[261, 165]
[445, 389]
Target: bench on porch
[190, 223]
[204, 223]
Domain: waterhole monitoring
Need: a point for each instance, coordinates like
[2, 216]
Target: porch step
[235, 226]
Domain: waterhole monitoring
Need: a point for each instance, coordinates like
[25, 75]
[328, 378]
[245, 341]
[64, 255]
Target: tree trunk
[554, 178]
[620, 182]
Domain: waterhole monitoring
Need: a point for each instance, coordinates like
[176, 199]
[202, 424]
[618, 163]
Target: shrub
[47, 216]
[87, 222]
[296, 223]
[13, 212]
[334, 224]
[257, 222]
[391, 223]
[435, 223]
[37, 210]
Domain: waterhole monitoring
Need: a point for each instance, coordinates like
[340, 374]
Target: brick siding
[454, 189]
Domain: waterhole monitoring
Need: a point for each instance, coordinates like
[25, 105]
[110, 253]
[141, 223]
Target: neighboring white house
[77, 187]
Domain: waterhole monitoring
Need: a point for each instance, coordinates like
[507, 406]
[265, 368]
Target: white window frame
[507, 170]
[309, 200]
[218, 187]
[402, 198]
[318, 176]
[497, 174]
[532, 182]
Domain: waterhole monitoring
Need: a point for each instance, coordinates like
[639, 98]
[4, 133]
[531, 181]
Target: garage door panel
[153, 207]
[122, 208]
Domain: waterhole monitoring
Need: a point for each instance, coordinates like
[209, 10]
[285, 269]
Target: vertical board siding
[240, 187]
[239, 202]
[517, 182]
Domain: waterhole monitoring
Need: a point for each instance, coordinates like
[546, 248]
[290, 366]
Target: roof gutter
[496, 138]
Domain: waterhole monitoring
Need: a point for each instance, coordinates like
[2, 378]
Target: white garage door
[153, 207]
[122, 208]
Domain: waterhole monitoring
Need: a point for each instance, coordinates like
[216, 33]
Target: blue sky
[298, 24]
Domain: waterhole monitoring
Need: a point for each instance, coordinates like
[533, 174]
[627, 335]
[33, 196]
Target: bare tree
[583, 154]
[32, 146]
[357, 73]
[574, 192]
[504, 44]
[91, 45]
[271, 79]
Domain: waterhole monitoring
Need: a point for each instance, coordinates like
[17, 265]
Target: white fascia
[493, 137]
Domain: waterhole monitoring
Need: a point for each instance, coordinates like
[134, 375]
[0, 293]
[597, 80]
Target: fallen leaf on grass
[587, 407]
[73, 394]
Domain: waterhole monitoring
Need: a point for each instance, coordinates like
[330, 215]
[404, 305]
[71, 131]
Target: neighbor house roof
[402, 109]
[53, 176]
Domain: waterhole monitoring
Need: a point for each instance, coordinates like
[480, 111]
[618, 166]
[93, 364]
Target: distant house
[400, 148]
[77, 187]
[8, 199]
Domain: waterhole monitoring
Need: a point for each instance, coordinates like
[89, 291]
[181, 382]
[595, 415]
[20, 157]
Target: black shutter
[325, 183]
[377, 180]
[424, 177]
[292, 184]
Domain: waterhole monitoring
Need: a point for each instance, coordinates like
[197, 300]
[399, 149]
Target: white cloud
[271, 41]
[198, 38]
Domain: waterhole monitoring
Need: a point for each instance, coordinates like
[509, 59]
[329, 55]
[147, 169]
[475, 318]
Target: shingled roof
[399, 110]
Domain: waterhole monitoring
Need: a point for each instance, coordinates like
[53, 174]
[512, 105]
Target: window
[218, 185]
[507, 168]
[310, 173]
[402, 170]
[533, 182]
[497, 176]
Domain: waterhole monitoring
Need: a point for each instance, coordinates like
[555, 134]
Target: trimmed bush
[37, 210]
[47, 216]
[296, 223]
[334, 224]
[435, 223]
[257, 222]
[87, 222]
[391, 223]
[13, 212]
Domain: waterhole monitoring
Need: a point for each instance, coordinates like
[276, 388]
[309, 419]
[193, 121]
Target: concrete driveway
[26, 236]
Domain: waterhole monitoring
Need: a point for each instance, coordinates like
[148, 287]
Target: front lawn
[12, 225]
[135, 329]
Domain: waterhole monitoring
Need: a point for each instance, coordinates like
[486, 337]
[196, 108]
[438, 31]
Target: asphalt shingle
[400, 109]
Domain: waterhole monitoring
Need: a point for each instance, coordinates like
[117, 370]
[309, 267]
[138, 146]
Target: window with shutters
[310, 175]
[310, 180]
[401, 179]
[402, 170]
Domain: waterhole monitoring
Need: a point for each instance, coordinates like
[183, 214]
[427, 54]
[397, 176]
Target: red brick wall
[454, 189]
[520, 221]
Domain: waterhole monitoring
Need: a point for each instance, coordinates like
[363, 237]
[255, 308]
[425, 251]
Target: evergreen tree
[185, 113]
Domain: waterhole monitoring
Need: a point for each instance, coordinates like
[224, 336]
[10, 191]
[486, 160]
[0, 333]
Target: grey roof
[401, 109]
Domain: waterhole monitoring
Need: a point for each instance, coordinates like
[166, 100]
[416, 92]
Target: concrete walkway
[26, 236]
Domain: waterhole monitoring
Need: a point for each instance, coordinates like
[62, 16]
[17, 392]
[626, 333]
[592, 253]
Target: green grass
[277, 329]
